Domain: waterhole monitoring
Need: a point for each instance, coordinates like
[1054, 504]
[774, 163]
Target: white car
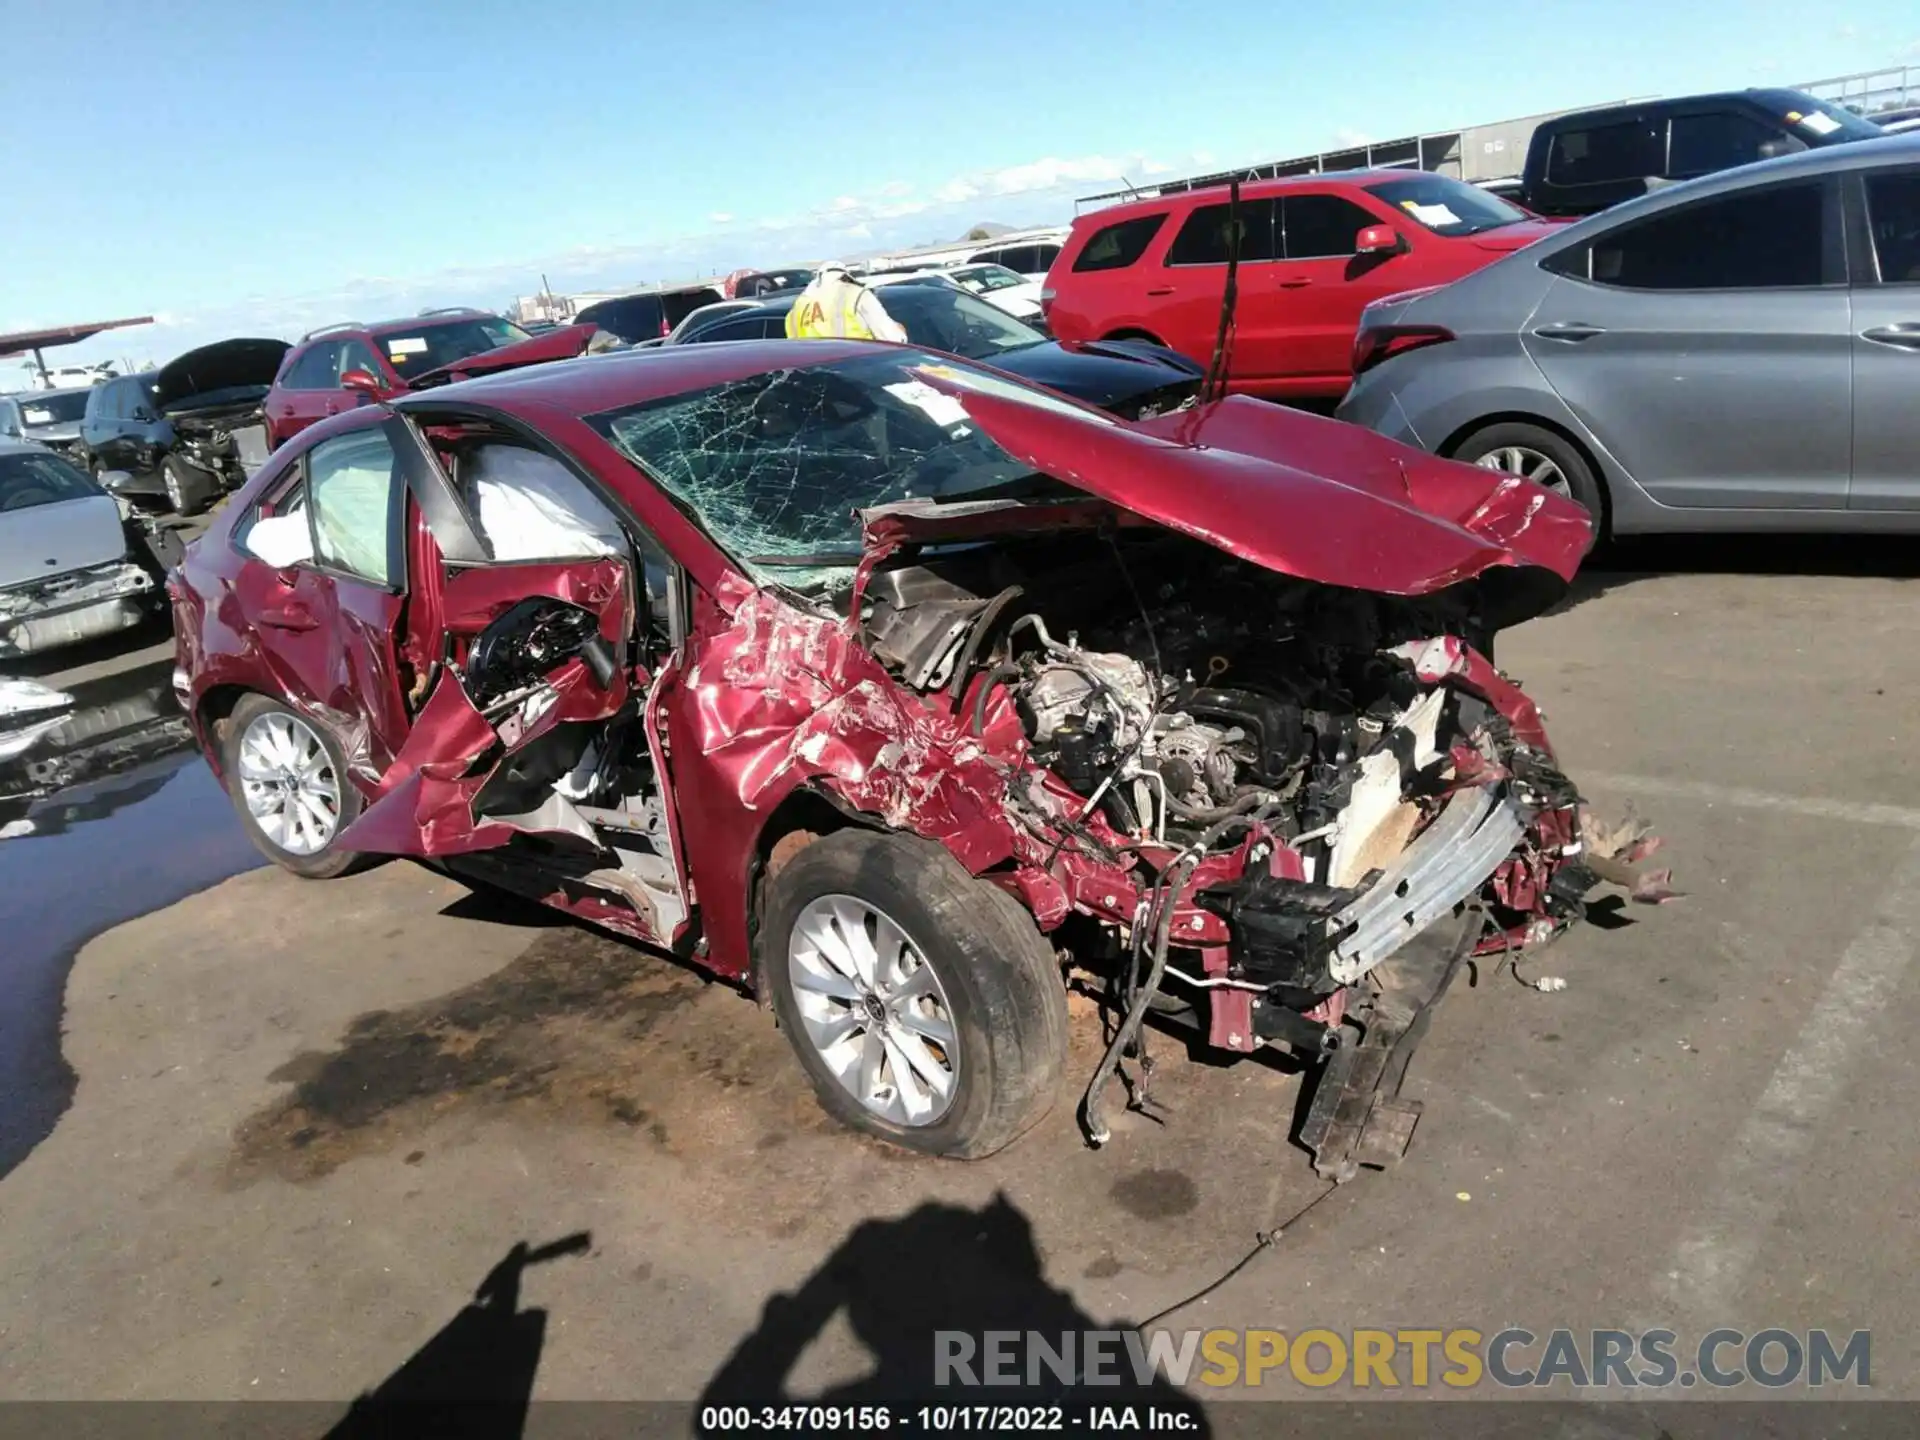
[998, 286]
[1030, 253]
[67, 571]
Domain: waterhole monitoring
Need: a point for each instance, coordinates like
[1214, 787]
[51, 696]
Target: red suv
[338, 367]
[1315, 250]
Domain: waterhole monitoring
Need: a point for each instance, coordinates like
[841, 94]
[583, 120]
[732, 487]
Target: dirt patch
[556, 1029]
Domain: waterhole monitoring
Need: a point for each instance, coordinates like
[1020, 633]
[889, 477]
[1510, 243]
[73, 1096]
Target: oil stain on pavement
[106, 818]
[572, 1028]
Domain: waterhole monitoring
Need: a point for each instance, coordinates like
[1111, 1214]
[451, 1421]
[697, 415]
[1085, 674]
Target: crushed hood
[1307, 497]
[223, 365]
[43, 542]
[562, 344]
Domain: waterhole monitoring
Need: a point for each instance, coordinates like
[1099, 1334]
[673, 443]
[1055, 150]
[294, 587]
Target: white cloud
[1347, 138]
[895, 215]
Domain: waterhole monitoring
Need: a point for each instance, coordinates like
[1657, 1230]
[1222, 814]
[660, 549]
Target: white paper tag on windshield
[943, 410]
[1818, 123]
[1434, 215]
[412, 346]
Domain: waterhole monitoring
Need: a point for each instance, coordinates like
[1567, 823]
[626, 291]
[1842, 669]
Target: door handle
[1160, 290]
[1904, 336]
[291, 616]
[1569, 330]
[1296, 282]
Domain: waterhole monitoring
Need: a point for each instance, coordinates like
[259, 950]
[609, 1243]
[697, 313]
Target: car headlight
[123, 505]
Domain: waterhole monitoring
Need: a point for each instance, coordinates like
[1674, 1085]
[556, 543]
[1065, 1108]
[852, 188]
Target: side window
[1044, 256]
[1118, 246]
[1203, 238]
[355, 355]
[351, 488]
[528, 506]
[1018, 257]
[1629, 150]
[749, 327]
[1764, 238]
[1721, 139]
[1893, 217]
[1321, 226]
[318, 369]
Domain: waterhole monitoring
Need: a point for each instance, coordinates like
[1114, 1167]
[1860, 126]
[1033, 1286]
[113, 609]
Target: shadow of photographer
[934, 1283]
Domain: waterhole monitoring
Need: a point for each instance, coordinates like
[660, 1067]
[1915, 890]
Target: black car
[650, 315]
[1133, 379]
[188, 432]
[1584, 162]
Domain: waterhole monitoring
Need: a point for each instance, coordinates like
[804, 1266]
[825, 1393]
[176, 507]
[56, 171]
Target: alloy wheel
[1528, 464]
[289, 784]
[874, 1010]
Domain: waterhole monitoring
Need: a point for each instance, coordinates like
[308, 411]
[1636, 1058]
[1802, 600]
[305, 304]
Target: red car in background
[338, 367]
[1315, 251]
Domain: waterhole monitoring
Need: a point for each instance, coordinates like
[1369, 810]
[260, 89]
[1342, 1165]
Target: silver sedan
[1740, 352]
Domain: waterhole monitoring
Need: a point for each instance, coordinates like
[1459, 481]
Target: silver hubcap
[288, 781]
[873, 1010]
[1529, 464]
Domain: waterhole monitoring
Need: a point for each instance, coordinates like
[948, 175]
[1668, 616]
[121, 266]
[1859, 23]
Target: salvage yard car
[1739, 352]
[71, 568]
[340, 366]
[1129, 378]
[1314, 251]
[869, 679]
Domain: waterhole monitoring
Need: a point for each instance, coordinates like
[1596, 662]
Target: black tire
[1006, 1000]
[1582, 483]
[188, 488]
[323, 864]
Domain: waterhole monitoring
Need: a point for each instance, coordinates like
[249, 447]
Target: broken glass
[776, 467]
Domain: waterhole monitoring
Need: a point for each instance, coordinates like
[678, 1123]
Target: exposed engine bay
[1323, 811]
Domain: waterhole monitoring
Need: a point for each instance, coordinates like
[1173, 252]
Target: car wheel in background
[288, 781]
[1542, 456]
[187, 489]
[923, 1003]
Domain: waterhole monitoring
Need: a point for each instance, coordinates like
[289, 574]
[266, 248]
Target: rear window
[632, 317]
[681, 303]
[54, 409]
[416, 350]
[1118, 246]
[1627, 150]
[28, 478]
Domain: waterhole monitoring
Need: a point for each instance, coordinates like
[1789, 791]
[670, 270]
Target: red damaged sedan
[905, 694]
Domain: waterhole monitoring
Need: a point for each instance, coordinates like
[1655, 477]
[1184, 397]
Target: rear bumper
[80, 605]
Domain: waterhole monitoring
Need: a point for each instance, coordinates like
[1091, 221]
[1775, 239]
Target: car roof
[24, 396]
[1249, 190]
[633, 377]
[1766, 97]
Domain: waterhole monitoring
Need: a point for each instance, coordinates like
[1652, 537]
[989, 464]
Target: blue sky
[248, 167]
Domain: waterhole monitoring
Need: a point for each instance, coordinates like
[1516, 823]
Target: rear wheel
[1540, 455]
[288, 781]
[922, 1002]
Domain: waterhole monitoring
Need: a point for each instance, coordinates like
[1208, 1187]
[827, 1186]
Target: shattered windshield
[777, 466]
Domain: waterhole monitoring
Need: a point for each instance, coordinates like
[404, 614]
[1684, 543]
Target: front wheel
[187, 488]
[923, 1004]
[1540, 455]
[288, 781]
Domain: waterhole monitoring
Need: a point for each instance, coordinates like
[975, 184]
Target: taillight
[1046, 299]
[1376, 343]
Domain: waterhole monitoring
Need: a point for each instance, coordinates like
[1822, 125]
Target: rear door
[329, 619]
[310, 391]
[1191, 288]
[1709, 348]
[1886, 338]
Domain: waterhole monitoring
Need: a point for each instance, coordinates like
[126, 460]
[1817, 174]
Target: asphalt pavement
[310, 1119]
